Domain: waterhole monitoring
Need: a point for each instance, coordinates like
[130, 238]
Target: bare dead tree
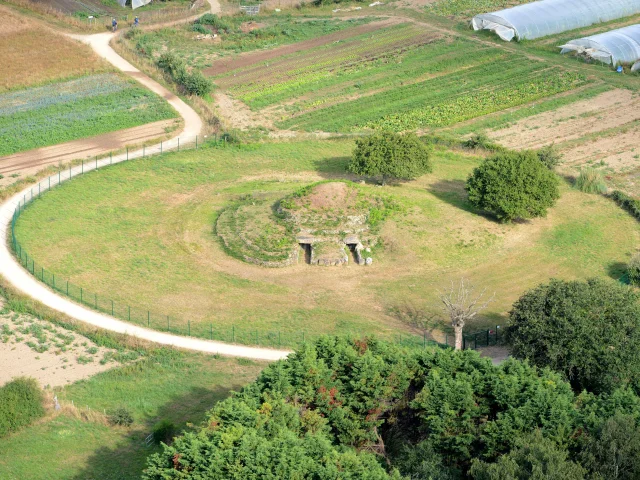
[461, 305]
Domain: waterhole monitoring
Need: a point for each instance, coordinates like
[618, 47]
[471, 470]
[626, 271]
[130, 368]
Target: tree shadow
[128, 458]
[618, 271]
[333, 168]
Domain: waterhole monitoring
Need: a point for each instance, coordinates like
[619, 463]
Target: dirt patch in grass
[52, 355]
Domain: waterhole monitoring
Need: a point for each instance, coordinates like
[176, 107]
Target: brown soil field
[605, 128]
[33, 54]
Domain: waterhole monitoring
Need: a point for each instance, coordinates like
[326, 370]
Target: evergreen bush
[21, 402]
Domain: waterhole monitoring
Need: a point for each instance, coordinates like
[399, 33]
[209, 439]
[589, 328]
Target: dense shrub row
[194, 83]
[366, 409]
[625, 201]
[21, 402]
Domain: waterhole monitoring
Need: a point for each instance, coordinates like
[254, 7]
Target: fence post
[112, 308]
[475, 341]
[178, 143]
[233, 334]
[59, 182]
[211, 331]
[279, 342]
[487, 337]
[69, 172]
[49, 183]
[188, 328]
[148, 318]
[42, 274]
[96, 300]
[143, 147]
[82, 171]
[67, 288]
[127, 153]
[196, 142]
[53, 275]
[168, 324]
[129, 312]
[497, 330]
[160, 147]
[96, 162]
[81, 295]
[38, 190]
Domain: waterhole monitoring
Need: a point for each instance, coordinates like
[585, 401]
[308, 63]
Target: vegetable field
[470, 8]
[62, 112]
[399, 77]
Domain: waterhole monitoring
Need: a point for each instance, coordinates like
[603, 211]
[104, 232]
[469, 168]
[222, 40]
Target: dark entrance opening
[354, 252]
[306, 248]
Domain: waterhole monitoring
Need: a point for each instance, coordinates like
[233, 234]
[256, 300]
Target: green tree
[513, 185]
[613, 452]
[589, 331]
[633, 270]
[535, 458]
[21, 402]
[390, 155]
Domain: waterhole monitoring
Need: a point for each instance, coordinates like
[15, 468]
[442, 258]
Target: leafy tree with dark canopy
[364, 409]
[590, 331]
[513, 186]
[390, 155]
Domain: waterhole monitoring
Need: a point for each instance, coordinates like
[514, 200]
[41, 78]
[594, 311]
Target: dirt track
[33, 160]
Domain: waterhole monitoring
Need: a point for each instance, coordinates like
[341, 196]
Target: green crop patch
[56, 113]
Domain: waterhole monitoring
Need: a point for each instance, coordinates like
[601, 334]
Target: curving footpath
[22, 280]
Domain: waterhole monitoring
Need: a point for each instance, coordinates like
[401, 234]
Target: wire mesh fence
[286, 337]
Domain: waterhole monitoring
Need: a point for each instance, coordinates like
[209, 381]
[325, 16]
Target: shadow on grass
[128, 459]
[334, 168]
[618, 271]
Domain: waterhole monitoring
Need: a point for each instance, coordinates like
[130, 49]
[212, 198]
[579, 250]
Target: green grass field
[164, 385]
[89, 106]
[142, 233]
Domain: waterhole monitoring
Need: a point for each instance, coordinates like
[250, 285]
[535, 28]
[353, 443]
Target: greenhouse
[614, 47]
[548, 17]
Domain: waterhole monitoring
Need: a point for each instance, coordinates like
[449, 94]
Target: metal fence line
[168, 323]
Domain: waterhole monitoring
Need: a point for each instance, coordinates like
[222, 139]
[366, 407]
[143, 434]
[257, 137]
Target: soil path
[27, 284]
[34, 160]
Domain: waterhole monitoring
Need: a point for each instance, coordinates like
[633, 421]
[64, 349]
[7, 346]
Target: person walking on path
[136, 21]
[114, 24]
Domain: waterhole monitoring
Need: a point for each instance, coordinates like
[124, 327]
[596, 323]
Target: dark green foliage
[549, 156]
[513, 185]
[196, 27]
[365, 409]
[535, 457]
[164, 431]
[21, 402]
[216, 22]
[121, 416]
[589, 331]
[633, 270]
[590, 180]
[193, 83]
[628, 203]
[613, 451]
[481, 140]
[390, 155]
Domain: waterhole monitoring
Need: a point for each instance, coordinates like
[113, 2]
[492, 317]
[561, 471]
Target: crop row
[479, 103]
[442, 90]
[79, 119]
[58, 93]
[321, 57]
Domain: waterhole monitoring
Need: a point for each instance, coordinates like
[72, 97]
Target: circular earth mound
[325, 221]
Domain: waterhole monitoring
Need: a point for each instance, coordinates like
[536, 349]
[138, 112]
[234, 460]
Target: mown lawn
[178, 387]
[143, 234]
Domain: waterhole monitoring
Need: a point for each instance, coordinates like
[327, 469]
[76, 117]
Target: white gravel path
[22, 280]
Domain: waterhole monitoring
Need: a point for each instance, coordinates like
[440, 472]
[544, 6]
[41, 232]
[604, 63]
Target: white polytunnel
[139, 3]
[548, 17]
[614, 47]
